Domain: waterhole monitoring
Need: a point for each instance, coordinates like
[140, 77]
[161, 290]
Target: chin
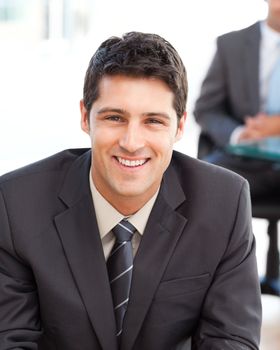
[131, 190]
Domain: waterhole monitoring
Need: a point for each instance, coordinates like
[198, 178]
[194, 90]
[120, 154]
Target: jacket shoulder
[236, 37]
[197, 174]
[55, 163]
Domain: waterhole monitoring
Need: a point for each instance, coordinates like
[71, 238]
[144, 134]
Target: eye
[114, 118]
[154, 121]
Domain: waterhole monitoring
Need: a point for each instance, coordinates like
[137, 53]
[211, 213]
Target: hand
[265, 125]
[249, 135]
[260, 126]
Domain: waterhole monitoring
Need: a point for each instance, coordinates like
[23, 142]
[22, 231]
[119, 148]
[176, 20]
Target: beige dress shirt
[108, 217]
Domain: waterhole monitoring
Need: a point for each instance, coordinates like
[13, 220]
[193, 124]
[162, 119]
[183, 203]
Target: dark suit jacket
[230, 90]
[194, 272]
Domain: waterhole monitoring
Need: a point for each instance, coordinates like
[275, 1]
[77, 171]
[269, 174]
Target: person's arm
[231, 313]
[211, 108]
[19, 309]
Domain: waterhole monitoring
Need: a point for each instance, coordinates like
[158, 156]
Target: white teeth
[131, 163]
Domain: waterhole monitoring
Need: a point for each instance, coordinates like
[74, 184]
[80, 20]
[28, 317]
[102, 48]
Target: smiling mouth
[131, 163]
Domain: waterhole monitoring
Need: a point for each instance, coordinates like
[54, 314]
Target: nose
[132, 138]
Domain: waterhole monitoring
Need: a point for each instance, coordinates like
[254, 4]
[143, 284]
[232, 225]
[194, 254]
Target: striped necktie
[119, 265]
[273, 97]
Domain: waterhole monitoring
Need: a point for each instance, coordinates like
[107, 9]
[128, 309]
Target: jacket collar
[76, 185]
[251, 47]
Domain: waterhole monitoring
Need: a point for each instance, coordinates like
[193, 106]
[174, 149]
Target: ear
[84, 117]
[181, 127]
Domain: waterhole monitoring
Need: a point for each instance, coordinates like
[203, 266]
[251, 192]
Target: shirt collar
[270, 37]
[108, 217]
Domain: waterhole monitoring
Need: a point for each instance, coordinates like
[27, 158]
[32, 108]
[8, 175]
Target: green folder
[268, 148]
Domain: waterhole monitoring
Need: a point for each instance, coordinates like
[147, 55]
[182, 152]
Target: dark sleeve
[231, 313]
[212, 110]
[19, 311]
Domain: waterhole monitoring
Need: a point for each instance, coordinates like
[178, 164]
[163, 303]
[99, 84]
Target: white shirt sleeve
[235, 135]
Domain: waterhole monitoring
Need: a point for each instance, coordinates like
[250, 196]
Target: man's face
[132, 127]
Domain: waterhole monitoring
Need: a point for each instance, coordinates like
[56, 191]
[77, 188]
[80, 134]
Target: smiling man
[128, 245]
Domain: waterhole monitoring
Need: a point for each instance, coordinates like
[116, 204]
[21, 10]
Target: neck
[273, 23]
[127, 206]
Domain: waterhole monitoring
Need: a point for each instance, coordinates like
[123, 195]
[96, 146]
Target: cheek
[164, 142]
[101, 138]
[164, 147]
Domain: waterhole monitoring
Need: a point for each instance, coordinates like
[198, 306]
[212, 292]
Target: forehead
[134, 95]
[120, 86]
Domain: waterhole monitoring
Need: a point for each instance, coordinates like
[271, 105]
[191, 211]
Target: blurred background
[45, 46]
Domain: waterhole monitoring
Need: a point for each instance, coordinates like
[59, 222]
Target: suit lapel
[161, 235]
[79, 235]
[251, 64]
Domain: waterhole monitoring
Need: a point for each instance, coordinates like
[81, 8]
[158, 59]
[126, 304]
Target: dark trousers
[262, 175]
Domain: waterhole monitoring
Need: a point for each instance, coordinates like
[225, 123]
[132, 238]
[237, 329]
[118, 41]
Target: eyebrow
[155, 114]
[110, 109]
[122, 111]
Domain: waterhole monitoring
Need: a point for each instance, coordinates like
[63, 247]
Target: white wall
[40, 86]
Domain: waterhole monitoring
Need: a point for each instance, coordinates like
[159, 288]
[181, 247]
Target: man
[69, 282]
[235, 104]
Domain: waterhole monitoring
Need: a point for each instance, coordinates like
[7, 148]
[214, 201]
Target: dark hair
[137, 55]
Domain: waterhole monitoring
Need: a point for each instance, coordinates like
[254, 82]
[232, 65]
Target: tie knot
[123, 231]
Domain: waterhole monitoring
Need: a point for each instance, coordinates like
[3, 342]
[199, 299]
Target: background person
[240, 100]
